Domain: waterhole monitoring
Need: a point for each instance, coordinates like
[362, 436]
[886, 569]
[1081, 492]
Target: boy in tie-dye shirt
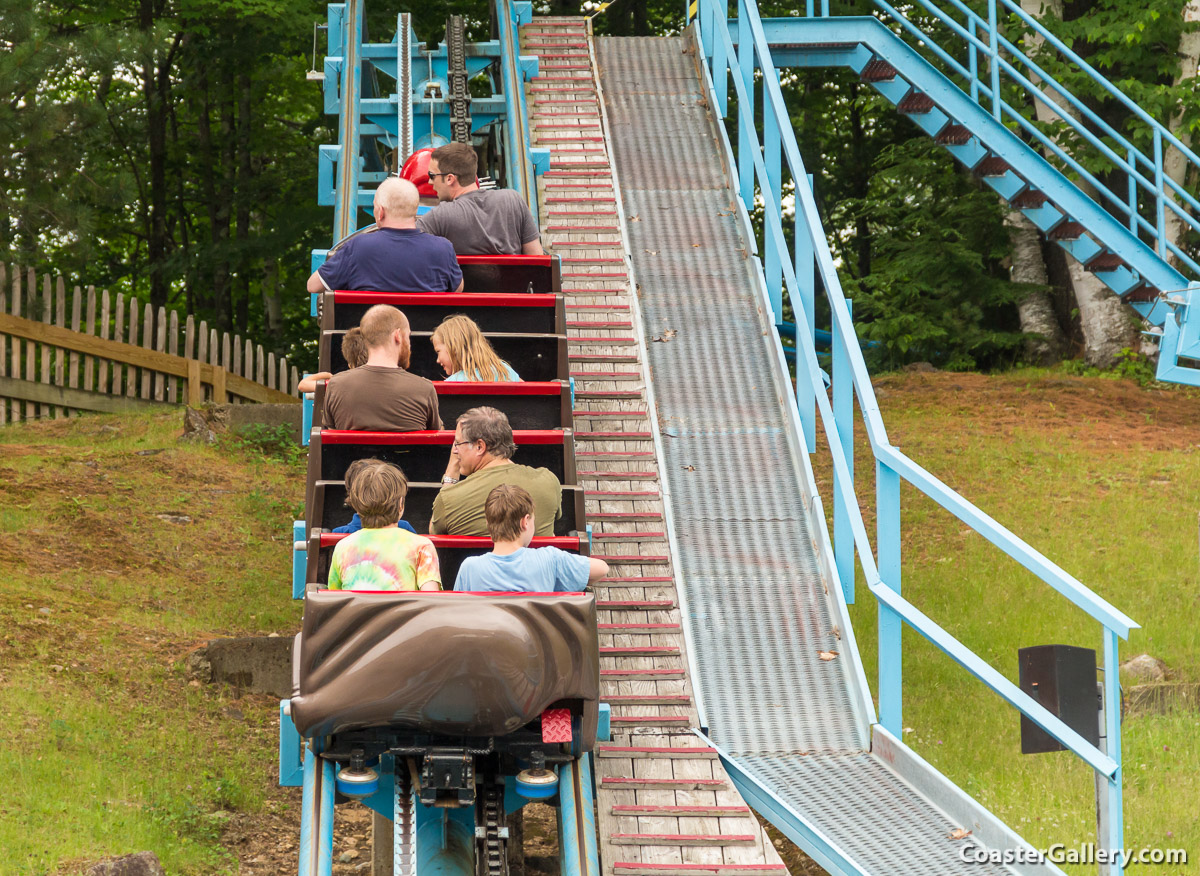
[381, 556]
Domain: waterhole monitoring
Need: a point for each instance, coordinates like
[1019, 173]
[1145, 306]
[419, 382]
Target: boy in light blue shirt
[513, 566]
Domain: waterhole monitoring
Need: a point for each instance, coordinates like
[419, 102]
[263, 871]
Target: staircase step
[642, 674]
[613, 436]
[1144, 292]
[632, 782]
[878, 70]
[637, 581]
[628, 536]
[650, 720]
[915, 102]
[993, 165]
[648, 700]
[637, 629]
[652, 651]
[634, 868]
[681, 839]
[615, 455]
[617, 476]
[635, 605]
[605, 375]
[1105, 261]
[1069, 230]
[655, 751]
[609, 393]
[953, 134]
[684, 811]
[621, 494]
[1028, 199]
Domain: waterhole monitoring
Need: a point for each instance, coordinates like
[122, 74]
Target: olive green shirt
[458, 508]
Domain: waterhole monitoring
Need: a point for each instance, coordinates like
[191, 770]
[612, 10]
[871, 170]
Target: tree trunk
[1175, 163]
[1046, 341]
[1107, 328]
[156, 87]
[245, 173]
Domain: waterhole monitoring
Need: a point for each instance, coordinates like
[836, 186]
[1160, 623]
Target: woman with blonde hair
[465, 354]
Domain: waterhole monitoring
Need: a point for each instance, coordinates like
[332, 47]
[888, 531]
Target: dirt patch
[1092, 411]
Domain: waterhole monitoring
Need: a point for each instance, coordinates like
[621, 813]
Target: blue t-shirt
[393, 260]
[355, 525]
[528, 570]
[460, 376]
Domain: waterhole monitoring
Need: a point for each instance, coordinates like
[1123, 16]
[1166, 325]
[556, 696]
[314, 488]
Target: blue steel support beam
[345, 208]
[579, 855]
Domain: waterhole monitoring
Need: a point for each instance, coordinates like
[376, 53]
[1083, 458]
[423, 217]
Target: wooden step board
[665, 805]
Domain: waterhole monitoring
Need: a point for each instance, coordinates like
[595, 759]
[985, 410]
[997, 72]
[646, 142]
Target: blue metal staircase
[1120, 236]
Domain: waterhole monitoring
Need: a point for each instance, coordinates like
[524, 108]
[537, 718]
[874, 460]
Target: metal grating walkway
[758, 611]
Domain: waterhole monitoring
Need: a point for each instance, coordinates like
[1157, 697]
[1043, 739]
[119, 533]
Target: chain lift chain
[492, 852]
[456, 73]
[404, 857]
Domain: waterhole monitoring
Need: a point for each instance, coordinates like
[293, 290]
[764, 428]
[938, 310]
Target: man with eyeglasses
[396, 256]
[480, 461]
[477, 222]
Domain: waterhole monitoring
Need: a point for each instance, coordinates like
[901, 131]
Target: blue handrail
[758, 173]
[984, 36]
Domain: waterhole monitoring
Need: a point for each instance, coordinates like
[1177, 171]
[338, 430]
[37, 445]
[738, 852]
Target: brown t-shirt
[458, 508]
[375, 398]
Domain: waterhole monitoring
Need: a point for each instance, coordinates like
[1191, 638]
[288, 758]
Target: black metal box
[1063, 679]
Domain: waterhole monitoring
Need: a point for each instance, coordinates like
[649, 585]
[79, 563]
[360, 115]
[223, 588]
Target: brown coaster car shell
[456, 664]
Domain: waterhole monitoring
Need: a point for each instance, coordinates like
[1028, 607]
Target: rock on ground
[141, 864]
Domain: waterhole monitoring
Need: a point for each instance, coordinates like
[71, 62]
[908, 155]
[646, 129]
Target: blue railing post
[808, 8]
[993, 48]
[1160, 207]
[747, 133]
[806, 283]
[843, 417]
[973, 62]
[1112, 730]
[891, 675]
[772, 154]
[720, 64]
[1131, 156]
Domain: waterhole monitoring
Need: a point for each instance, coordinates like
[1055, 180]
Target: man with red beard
[382, 396]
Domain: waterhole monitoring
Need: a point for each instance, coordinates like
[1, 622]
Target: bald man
[396, 256]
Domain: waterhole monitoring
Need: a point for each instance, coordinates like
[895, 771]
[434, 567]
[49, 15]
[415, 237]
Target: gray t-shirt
[484, 222]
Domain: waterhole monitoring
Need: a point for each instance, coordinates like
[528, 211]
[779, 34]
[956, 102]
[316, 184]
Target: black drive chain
[456, 72]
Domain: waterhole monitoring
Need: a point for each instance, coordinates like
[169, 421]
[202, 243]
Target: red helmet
[416, 171]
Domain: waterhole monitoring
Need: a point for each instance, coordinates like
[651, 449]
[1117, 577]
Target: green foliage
[268, 442]
[1130, 365]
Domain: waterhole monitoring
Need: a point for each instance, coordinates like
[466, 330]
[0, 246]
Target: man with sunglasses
[396, 256]
[480, 461]
[477, 222]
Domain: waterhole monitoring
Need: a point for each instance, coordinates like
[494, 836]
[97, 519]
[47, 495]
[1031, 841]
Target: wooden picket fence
[125, 357]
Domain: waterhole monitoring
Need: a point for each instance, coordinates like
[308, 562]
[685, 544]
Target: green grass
[112, 750]
[1105, 489]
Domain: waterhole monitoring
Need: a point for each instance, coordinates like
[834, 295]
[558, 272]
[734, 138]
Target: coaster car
[430, 666]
